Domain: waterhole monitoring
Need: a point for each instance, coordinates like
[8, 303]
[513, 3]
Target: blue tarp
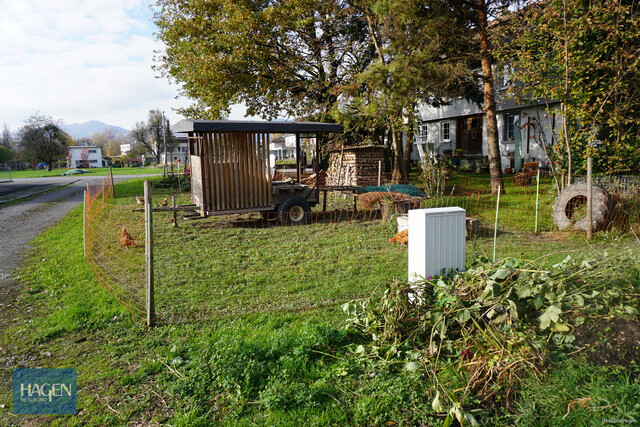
[411, 190]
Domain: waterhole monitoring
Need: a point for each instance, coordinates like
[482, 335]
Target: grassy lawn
[38, 173]
[251, 331]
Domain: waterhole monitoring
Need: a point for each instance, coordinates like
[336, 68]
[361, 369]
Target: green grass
[254, 363]
[38, 173]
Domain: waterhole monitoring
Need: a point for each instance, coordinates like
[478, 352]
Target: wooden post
[379, 173]
[175, 212]
[589, 198]
[324, 201]
[148, 252]
[298, 159]
[113, 188]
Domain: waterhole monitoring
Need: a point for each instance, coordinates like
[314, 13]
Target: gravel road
[22, 222]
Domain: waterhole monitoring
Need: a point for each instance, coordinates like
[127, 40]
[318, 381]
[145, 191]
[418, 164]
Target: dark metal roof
[185, 126]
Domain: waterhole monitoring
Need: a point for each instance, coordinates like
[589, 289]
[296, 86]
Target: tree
[6, 140]
[154, 134]
[290, 57]
[113, 147]
[417, 44]
[141, 136]
[483, 9]
[6, 154]
[42, 139]
[584, 54]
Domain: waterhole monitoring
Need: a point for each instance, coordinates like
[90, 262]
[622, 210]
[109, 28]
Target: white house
[125, 148]
[85, 156]
[523, 130]
[180, 152]
[283, 147]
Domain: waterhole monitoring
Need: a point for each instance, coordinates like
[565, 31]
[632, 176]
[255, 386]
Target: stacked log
[355, 166]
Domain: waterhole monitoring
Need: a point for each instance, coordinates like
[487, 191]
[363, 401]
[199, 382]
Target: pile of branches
[496, 322]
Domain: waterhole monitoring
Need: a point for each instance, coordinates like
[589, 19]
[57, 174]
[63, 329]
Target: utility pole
[164, 138]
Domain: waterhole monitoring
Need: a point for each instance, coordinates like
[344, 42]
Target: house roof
[185, 126]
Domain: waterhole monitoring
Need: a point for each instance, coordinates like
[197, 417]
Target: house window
[93, 161]
[511, 122]
[445, 131]
[93, 151]
[424, 133]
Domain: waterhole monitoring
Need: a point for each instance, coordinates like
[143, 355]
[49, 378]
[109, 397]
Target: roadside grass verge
[39, 173]
[265, 368]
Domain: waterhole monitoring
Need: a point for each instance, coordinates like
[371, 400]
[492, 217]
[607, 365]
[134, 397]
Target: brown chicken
[126, 239]
[139, 200]
[163, 202]
[401, 237]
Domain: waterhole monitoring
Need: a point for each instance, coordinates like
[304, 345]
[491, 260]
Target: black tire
[294, 211]
[575, 195]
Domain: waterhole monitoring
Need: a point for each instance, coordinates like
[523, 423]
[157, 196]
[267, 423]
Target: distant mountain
[87, 129]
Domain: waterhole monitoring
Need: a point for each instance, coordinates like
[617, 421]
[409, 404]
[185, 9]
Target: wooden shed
[357, 166]
[230, 169]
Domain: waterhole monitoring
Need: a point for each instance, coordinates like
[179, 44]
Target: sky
[77, 61]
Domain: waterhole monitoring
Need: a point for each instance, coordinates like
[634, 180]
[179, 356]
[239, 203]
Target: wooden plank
[241, 167]
[215, 169]
[260, 197]
[210, 179]
[257, 192]
[235, 167]
[263, 173]
[251, 193]
[224, 191]
[227, 172]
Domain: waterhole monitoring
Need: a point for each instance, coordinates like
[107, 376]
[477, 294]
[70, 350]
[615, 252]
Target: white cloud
[80, 60]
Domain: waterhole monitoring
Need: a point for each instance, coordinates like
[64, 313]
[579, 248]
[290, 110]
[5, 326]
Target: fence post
[495, 226]
[589, 197]
[148, 251]
[113, 188]
[535, 230]
[174, 222]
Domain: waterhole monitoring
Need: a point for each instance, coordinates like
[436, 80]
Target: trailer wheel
[294, 211]
[572, 198]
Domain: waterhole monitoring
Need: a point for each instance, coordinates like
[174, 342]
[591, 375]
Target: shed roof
[185, 126]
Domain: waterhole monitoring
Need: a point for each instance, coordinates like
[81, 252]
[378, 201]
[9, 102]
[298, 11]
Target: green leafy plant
[496, 321]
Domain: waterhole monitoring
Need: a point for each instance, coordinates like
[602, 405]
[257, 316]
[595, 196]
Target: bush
[178, 182]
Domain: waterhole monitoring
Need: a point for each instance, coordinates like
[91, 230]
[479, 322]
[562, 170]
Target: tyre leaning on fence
[576, 195]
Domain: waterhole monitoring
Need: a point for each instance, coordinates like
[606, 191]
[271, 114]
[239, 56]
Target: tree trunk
[409, 147]
[398, 173]
[565, 116]
[493, 146]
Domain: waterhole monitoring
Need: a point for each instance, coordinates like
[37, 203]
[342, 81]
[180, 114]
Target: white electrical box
[436, 241]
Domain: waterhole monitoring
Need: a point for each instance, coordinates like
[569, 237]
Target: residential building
[283, 147]
[180, 152]
[459, 128]
[85, 156]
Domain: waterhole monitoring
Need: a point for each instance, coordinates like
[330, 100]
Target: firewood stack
[355, 166]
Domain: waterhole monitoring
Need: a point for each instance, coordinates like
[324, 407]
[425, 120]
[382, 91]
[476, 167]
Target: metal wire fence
[238, 264]
[119, 264]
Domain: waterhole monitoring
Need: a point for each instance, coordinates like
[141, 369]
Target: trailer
[231, 171]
